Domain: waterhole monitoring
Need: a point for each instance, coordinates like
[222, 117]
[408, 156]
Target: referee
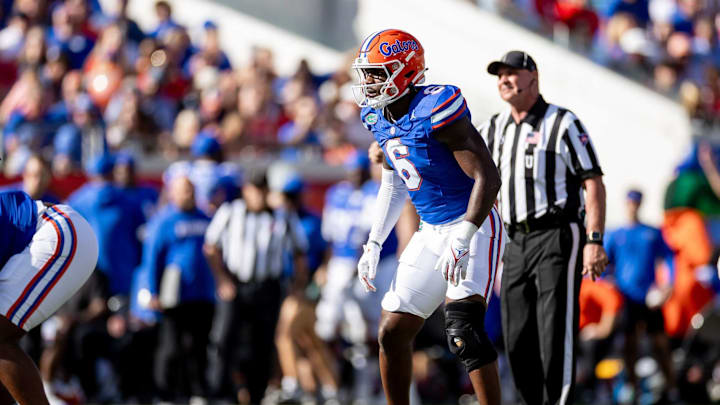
[246, 244]
[546, 160]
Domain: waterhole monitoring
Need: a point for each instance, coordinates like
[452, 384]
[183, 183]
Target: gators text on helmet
[393, 55]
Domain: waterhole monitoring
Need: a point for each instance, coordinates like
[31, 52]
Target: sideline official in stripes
[553, 202]
[247, 243]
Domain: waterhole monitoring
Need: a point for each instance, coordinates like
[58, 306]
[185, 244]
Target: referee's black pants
[539, 297]
[242, 340]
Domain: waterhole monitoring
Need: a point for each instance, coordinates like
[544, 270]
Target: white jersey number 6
[398, 153]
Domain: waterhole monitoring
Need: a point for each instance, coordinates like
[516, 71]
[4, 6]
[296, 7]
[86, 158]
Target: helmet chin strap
[392, 99]
[387, 113]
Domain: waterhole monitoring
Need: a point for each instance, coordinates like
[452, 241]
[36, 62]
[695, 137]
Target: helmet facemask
[377, 95]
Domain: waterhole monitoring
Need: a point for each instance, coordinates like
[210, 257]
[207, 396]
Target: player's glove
[453, 262]
[367, 266]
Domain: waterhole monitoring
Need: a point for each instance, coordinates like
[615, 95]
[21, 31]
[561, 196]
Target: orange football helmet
[392, 55]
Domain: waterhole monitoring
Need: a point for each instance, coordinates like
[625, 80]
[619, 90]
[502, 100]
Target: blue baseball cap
[292, 185]
[125, 158]
[205, 144]
[635, 195]
[210, 25]
[101, 165]
[357, 161]
[68, 142]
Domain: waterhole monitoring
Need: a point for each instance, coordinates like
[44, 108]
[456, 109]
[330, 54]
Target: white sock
[328, 391]
[289, 384]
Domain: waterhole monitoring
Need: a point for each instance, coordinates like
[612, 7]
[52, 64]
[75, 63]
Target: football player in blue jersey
[346, 223]
[433, 152]
[47, 252]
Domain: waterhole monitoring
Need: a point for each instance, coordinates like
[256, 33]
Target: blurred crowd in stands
[227, 279]
[88, 99]
[77, 82]
[670, 45]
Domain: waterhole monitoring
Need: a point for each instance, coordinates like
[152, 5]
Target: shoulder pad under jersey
[442, 104]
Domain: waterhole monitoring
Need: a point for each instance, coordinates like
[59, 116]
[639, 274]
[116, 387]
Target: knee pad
[465, 328]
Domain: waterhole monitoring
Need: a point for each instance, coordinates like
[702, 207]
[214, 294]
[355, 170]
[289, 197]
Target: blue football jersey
[438, 187]
[18, 221]
[347, 219]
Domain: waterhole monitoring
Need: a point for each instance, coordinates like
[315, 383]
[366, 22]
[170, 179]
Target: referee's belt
[547, 221]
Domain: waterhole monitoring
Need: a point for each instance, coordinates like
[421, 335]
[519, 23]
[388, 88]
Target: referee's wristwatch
[595, 238]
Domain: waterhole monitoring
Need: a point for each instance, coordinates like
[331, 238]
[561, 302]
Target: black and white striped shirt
[254, 244]
[542, 161]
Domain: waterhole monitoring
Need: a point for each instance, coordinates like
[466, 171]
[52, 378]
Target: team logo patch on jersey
[583, 139]
[434, 89]
[371, 118]
[388, 49]
[533, 138]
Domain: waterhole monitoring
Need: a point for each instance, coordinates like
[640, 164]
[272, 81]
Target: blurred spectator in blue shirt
[182, 286]
[115, 218]
[87, 125]
[163, 11]
[633, 250]
[125, 177]
[117, 12]
[27, 125]
[685, 13]
[61, 111]
[209, 54]
[300, 134]
[68, 36]
[637, 8]
[68, 150]
[632, 253]
[176, 241]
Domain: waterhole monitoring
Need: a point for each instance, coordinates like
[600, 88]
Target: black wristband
[594, 242]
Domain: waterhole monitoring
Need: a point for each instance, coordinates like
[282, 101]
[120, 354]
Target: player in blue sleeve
[433, 153]
[47, 252]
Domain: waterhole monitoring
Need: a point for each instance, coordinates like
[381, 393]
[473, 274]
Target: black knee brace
[465, 327]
